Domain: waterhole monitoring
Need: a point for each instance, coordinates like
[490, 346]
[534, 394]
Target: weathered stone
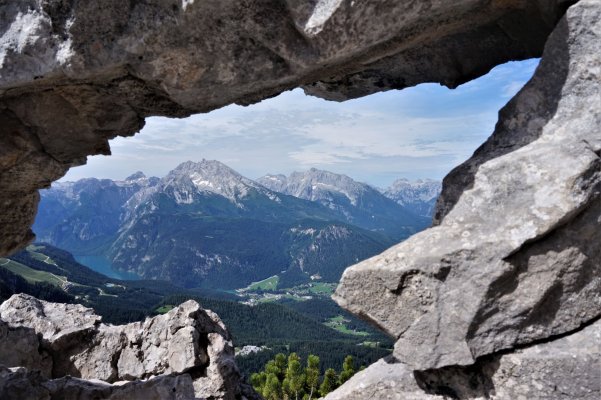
[386, 379]
[19, 347]
[516, 256]
[186, 341]
[75, 74]
[562, 369]
[20, 384]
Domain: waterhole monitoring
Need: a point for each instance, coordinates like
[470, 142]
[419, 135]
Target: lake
[102, 265]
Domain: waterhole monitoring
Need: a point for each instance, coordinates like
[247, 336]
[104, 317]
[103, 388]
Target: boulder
[565, 368]
[21, 384]
[515, 255]
[186, 341]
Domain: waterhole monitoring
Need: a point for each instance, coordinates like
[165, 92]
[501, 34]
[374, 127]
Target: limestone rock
[386, 379]
[19, 346]
[75, 74]
[21, 384]
[187, 341]
[563, 369]
[515, 257]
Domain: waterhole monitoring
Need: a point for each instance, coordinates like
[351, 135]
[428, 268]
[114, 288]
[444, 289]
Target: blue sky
[419, 132]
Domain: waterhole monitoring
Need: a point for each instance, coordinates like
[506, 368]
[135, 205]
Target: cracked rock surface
[565, 368]
[188, 349]
[74, 74]
[516, 255]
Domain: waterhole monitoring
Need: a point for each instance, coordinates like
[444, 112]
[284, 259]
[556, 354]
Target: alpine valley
[205, 225]
[204, 230]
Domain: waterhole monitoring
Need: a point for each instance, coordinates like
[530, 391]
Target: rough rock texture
[74, 74]
[515, 257]
[563, 369]
[188, 343]
[384, 379]
[20, 384]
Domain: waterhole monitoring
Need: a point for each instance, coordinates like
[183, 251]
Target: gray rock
[75, 74]
[187, 341]
[21, 384]
[385, 379]
[19, 347]
[562, 369]
[516, 256]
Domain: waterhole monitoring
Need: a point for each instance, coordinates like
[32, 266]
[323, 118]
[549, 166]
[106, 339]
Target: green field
[339, 323]
[30, 274]
[322, 288]
[164, 309]
[270, 283]
[43, 258]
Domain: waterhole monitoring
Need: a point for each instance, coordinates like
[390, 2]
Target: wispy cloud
[419, 132]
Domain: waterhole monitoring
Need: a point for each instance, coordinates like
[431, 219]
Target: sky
[415, 133]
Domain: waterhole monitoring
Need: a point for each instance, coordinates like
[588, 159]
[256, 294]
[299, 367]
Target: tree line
[285, 378]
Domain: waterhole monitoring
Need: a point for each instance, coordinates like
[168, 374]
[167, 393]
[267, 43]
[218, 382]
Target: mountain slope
[418, 196]
[279, 327]
[203, 225]
[86, 214]
[353, 202]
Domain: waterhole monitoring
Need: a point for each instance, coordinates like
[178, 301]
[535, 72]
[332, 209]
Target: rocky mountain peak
[136, 176]
[315, 185]
[420, 189]
[419, 196]
[209, 176]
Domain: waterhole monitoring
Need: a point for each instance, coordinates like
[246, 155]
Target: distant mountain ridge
[204, 224]
[354, 202]
[417, 196]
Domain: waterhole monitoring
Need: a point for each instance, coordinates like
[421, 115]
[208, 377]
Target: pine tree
[348, 369]
[330, 382]
[281, 363]
[257, 380]
[273, 388]
[312, 374]
[295, 379]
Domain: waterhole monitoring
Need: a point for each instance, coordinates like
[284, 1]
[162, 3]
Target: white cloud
[418, 132]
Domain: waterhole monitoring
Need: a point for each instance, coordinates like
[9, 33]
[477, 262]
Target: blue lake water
[102, 265]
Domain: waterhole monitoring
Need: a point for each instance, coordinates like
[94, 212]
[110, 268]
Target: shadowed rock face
[516, 254]
[75, 74]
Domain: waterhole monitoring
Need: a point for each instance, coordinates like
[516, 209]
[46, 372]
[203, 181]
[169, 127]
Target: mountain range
[418, 197]
[204, 224]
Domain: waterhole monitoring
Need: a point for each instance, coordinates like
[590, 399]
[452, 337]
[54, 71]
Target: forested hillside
[292, 323]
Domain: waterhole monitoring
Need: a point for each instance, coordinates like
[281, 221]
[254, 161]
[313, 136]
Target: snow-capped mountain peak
[136, 176]
[419, 196]
[421, 189]
[209, 176]
[316, 185]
